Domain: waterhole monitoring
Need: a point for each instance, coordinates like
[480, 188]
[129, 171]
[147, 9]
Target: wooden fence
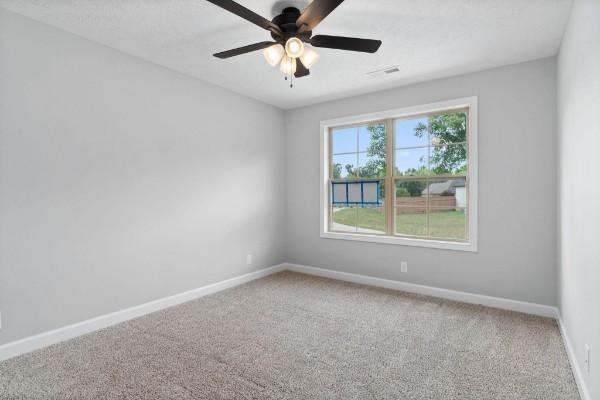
[418, 205]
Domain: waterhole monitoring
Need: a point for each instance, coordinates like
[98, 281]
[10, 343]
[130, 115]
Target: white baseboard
[577, 373]
[41, 340]
[496, 302]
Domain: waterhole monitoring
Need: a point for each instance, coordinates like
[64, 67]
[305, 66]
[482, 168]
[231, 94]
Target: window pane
[447, 223]
[411, 132]
[371, 138]
[371, 217]
[371, 166]
[450, 159]
[344, 219]
[448, 128]
[412, 161]
[410, 211]
[411, 221]
[372, 147]
[408, 190]
[343, 140]
[343, 166]
[449, 193]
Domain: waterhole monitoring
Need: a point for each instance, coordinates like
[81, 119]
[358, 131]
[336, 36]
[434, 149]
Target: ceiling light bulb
[294, 47]
[288, 65]
[309, 57]
[274, 54]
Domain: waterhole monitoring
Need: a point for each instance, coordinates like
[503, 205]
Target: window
[403, 176]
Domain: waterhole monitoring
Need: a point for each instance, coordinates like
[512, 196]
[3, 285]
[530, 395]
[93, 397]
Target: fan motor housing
[287, 22]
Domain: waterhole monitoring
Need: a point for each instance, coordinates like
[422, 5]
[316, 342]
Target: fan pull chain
[291, 80]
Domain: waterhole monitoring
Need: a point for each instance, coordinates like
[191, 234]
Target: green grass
[442, 224]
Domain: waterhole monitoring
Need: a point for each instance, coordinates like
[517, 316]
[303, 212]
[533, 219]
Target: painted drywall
[579, 192]
[122, 181]
[517, 188]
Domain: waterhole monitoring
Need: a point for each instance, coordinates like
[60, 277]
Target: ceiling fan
[290, 31]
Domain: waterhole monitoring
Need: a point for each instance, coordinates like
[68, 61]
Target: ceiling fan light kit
[309, 57]
[288, 65]
[290, 31]
[294, 47]
[274, 54]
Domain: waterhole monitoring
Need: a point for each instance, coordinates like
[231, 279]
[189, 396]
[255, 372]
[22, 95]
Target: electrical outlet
[587, 358]
[403, 266]
[249, 259]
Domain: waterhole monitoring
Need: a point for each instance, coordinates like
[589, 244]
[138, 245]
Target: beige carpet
[293, 336]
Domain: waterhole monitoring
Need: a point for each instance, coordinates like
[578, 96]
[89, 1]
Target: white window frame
[467, 102]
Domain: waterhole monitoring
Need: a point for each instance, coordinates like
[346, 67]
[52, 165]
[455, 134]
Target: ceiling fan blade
[301, 70]
[315, 13]
[346, 43]
[247, 14]
[244, 49]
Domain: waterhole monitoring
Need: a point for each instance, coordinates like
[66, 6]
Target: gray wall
[517, 188]
[122, 182]
[579, 185]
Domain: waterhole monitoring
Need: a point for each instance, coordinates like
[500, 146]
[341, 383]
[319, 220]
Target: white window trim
[471, 245]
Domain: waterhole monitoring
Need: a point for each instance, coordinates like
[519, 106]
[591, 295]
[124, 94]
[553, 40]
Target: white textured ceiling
[426, 39]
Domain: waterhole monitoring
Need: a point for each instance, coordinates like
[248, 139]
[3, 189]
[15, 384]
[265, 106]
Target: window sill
[433, 244]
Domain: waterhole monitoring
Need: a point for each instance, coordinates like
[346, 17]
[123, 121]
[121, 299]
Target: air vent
[382, 72]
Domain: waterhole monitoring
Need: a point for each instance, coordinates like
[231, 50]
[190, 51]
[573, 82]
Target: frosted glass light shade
[288, 65]
[274, 54]
[294, 47]
[309, 57]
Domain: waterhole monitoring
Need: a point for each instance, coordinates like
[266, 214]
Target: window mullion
[427, 181]
[357, 170]
[389, 181]
[358, 175]
[331, 177]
